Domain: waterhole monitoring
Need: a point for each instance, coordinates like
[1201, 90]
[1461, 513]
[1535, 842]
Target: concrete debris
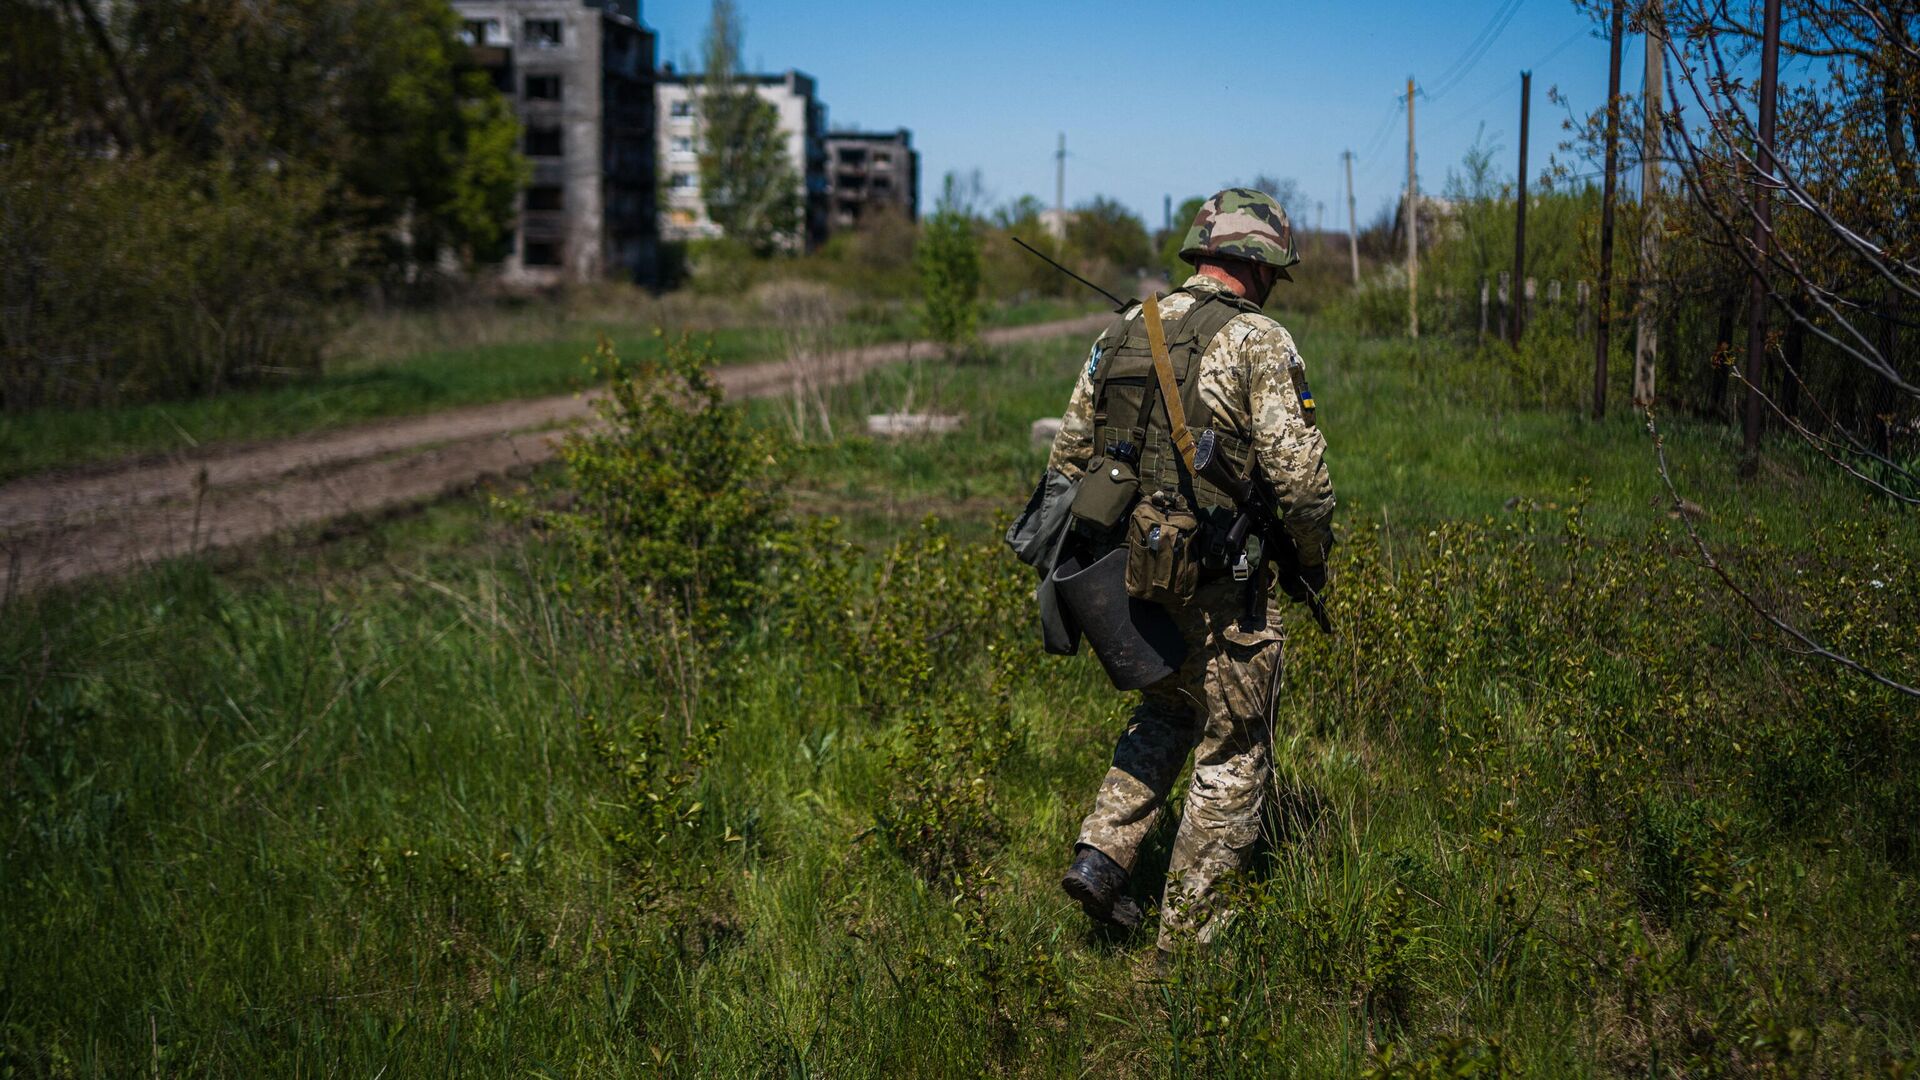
[897, 425]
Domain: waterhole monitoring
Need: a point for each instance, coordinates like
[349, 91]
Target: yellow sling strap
[1169, 389]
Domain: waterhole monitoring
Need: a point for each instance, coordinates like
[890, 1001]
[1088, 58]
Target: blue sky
[1160, 100]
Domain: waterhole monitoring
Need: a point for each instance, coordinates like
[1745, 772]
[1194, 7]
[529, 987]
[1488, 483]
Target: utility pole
[1763, 185]
[1413, 227]
[1166, 213]
[1060, 181]
[1646, 338]
[1603, 303]
[1520, 217]
[1353, 230]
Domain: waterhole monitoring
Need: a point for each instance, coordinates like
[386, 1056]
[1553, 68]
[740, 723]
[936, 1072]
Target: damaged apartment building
[872, 172]
[802, 125]
[580, 75]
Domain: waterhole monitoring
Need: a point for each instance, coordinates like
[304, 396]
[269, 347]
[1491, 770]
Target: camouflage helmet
[1242, 223]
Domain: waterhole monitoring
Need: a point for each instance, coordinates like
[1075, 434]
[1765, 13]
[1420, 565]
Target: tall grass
[1545, 806]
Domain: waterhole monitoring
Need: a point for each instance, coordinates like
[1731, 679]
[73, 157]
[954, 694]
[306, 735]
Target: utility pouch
[1106, 493]
[1163, 550]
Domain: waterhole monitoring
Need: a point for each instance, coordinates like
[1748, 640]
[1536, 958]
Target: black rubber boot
[1099, 885]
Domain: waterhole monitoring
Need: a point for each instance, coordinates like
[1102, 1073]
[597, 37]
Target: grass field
[395, 368]
[388, 801]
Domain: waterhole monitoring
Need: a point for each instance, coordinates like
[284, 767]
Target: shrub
[671, 512]
[146, 277]
[949, 260]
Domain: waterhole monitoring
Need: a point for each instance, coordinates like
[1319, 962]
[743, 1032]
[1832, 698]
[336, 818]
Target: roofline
[688, 78]
[899, 135]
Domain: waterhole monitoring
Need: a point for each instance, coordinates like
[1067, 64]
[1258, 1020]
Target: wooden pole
[1413, 227]
[1520, 211]
[1763, 184]
[1646, 340]
[1353, 224]
[1603, 302]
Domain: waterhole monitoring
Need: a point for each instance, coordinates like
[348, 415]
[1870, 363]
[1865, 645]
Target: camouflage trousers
[1219, 707]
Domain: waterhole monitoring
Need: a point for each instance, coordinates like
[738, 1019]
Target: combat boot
[1099, 885]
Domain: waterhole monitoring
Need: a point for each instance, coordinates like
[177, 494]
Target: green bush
[673, 508]
[948, 257]
[142, 277]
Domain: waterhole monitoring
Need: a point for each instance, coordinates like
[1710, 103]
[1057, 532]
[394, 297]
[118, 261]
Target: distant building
[1439, 219]
[872, 171]
[580, 75]
[1056, 222]
[803, 121]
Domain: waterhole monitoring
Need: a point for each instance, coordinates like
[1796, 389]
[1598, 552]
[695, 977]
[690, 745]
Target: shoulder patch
[1093, 360]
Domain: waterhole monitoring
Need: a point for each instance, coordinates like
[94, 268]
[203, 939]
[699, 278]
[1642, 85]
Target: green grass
[543, 356]
[1405, 441]
[376, 803]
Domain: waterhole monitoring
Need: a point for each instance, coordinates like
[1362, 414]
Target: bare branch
[1707, 559]
[1816, 442]
[1866, 353]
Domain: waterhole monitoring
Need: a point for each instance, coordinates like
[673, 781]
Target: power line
[1481, 55]
[1506, 85]
[1476, 49]
[1451, 69]
[1386, 124]
[1560, 48]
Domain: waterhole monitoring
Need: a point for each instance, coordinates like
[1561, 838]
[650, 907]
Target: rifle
[1119, 305]
[1258, 514]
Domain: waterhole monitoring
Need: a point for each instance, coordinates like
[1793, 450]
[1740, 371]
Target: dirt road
[63, 527]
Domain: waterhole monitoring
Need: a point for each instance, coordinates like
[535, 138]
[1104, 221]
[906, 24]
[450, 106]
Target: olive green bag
[1163, 549]
[1107, 492]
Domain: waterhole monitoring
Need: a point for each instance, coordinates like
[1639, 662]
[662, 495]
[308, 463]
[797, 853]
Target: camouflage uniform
[1219, 705]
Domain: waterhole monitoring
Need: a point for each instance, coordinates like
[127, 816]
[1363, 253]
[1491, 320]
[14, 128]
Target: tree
[1176, 268]
[379, 96]
[1104, 231]
[949, 260]
[1818, 224]
[750, 186]
[1285, 191]
[1020, 216]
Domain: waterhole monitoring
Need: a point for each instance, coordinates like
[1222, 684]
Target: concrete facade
[580, 74]
[869, 172]
[803, 123]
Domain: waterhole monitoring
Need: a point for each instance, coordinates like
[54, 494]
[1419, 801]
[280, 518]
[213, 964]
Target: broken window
[541, 33]
[684, 181]
[542, 253]
[683, 144]
[543, 197]
[681, 108]
[544, 142]
[543, 88]
[482, 32]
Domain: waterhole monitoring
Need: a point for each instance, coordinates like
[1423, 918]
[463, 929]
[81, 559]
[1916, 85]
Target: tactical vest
[1127, 412]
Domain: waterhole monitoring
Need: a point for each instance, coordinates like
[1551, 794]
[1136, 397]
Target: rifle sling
[1169, 388]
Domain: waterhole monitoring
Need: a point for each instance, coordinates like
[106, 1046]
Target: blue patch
[1093, 361]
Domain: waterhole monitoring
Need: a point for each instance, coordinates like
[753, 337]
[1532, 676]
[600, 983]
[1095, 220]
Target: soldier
[1240, 375]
